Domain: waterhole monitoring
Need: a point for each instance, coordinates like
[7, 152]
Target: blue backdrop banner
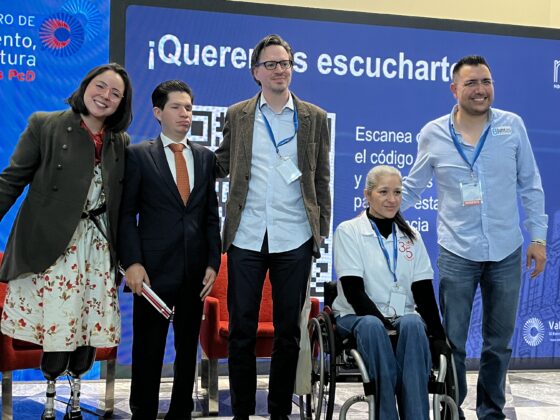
[380, 84]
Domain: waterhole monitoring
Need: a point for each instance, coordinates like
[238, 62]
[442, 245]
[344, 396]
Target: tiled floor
[533, 395]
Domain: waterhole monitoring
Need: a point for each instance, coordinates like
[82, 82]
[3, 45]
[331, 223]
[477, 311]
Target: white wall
[540, 13]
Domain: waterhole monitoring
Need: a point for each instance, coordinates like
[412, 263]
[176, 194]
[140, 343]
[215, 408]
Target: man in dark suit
[170, 240]
[276, 152]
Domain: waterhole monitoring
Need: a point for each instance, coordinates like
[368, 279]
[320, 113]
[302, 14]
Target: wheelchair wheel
[451, 388]
[320, 404]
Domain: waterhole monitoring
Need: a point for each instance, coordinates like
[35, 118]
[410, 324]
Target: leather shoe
[279, 417]
[240, 418]
[172, 416]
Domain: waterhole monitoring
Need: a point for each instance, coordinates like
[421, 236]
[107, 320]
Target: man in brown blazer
[276, 151]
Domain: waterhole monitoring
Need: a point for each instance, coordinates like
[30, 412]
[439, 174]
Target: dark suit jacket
[55, 156]
[172, 241]
[313, 144]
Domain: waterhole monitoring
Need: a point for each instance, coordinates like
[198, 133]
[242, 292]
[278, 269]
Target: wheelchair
[336, 360]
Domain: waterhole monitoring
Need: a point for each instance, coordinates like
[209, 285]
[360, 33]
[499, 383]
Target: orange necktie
[181, 171]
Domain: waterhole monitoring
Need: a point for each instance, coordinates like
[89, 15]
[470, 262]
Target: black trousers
[148, 348]
[289, 273]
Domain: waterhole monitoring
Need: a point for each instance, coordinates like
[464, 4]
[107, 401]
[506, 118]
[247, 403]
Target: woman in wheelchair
[386, 300]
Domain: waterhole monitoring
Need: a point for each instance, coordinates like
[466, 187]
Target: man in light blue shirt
[481, 161]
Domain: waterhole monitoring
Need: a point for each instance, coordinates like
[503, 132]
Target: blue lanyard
[460, 148]
[271, 134]
[385, 252]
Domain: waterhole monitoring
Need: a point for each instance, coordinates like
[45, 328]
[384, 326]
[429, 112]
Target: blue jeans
[403, 373]
[499, 285]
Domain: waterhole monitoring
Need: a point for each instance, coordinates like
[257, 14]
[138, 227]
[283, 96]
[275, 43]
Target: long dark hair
[372, 181]
[122, 117]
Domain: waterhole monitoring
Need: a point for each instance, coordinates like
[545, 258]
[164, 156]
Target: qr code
[207, 127]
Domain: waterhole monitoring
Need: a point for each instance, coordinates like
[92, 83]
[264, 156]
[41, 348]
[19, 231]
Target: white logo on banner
[533, 332]
[555, 74]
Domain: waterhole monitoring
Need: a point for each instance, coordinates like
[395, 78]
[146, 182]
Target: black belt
[94, 213]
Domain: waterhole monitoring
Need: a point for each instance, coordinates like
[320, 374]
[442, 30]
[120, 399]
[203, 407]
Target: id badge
[397, 301]
[288, 170]
[471, 193]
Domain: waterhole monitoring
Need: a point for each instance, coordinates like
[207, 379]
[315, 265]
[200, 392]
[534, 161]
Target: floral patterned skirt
[74, 302]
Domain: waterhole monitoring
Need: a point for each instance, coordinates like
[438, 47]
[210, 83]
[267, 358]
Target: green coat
[55, 157]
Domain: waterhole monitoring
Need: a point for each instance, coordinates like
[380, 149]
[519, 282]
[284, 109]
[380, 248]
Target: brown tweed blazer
[313, 145]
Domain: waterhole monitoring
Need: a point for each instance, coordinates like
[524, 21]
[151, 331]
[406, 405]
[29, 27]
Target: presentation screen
[380, 79]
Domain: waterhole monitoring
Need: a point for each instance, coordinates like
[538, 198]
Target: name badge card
[397, 300]
[471, 193]
[288, 170]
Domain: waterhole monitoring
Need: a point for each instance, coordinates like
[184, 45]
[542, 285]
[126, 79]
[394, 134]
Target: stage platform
[531, 395]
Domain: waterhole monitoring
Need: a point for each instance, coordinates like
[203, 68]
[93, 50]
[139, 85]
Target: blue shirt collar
[491, 115]
[289, 104]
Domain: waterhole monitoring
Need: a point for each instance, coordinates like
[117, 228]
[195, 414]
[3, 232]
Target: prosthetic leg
[80, 362]
[53, 364]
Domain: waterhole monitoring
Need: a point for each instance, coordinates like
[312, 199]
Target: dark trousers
[289, 273]
[148, 347]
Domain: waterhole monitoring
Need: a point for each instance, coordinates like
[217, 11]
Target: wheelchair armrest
[437, 385]
[442, 368]
[439, 347]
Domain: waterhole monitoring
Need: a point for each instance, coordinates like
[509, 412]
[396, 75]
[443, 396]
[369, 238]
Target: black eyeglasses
[271, 65]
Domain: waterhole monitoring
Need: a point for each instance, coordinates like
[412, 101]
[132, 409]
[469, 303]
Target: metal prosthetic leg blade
[48, 413]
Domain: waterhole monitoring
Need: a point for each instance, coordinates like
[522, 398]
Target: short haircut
[121, 119]
[267, 41]
[469, 60]
[160, 95]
